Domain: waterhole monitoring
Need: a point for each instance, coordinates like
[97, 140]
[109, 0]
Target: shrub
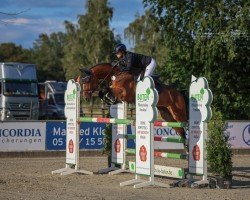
[219, 152]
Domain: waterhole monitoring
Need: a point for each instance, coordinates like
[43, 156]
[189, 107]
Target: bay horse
[171, 104]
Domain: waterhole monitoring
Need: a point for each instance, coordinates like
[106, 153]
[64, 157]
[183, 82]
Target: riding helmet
[120, 47]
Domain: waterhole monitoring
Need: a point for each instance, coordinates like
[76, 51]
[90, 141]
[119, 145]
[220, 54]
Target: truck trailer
[18, 92]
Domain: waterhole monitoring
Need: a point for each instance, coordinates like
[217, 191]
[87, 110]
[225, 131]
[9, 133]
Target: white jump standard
[146, 113]
[72, 113]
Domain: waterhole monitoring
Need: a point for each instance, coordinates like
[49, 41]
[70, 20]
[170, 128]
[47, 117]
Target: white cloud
[15, 21]
[26, 31]
[46, 25]
[47, 16]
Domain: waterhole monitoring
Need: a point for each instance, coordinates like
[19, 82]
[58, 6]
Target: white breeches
[150, 68]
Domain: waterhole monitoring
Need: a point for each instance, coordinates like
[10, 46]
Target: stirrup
[110, 99]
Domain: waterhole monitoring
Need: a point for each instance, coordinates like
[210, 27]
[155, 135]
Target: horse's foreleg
[120, 93]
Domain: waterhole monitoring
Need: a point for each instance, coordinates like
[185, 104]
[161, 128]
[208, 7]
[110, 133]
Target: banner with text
[238, 133]
[91, 135]
[51, 135]
[22, 136]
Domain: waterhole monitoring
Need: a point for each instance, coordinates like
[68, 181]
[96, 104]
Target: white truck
[51, 99]
[18, 92]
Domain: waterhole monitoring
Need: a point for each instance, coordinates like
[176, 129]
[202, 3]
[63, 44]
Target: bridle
[88, 78]
[85, 80]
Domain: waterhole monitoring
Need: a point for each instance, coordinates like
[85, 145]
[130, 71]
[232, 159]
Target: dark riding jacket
[134, 63]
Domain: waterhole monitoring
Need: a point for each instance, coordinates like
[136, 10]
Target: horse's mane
[101, 69]
[100, 64]
[104, 69]
[124, 76]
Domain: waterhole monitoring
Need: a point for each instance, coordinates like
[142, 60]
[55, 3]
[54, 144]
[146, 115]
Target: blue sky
[47, 16]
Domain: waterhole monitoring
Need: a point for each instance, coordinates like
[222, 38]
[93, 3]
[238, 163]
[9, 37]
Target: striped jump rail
[129, 121]
[106, 120]
[159, 154]
[160, 138]
[171, 124]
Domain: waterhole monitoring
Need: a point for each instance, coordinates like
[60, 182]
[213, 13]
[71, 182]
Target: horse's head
[96, 78]
[89, 83]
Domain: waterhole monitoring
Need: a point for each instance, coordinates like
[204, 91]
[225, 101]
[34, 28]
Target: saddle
[156, 78]
[158, 83]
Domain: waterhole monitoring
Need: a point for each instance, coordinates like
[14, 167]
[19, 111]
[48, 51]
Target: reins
[92, 91]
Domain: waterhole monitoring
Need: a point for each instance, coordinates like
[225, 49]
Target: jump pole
[118, 114]
[128, 121]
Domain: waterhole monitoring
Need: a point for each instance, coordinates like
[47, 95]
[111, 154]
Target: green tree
[145, 33]
[48, 54]
[211, 39]
[91, 41]
[10, 52]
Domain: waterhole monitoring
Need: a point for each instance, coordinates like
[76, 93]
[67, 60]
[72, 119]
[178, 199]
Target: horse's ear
[85, 72]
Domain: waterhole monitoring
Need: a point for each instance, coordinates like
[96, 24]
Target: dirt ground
[31, 178]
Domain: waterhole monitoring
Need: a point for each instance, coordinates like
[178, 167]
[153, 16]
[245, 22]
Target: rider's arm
[121, 64]
[130, 61]
[115, 63]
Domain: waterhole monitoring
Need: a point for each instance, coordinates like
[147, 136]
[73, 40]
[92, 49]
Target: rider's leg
[150, 68]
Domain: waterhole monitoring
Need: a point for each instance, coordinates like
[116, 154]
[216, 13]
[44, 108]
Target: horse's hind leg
[168, 116]
[165, 114]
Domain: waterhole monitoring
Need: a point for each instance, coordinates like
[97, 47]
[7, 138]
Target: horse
[171, 104]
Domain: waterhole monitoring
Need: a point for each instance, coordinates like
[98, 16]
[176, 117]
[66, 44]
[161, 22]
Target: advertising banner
[22, 136]
[91, 135]
[238, 133]
[163, 132]
[53, 136]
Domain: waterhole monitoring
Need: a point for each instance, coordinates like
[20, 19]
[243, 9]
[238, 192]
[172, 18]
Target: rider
[134, 63]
